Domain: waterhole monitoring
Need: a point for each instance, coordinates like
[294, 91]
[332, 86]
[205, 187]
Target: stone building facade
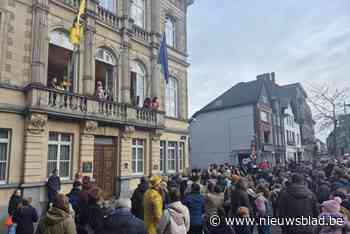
[113, 139]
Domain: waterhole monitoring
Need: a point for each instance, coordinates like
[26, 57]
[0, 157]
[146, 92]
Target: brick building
[114, 139]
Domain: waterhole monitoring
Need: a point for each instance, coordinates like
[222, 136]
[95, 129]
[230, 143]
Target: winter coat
[340, 183]
[240, 198]
[56, 221]
[297, 201]
[153, 209]
[53, 186]
[175, 220]
[323, 191]
[137, 200]
[82, 212]
[122, 221]
[263, 207]
[212, 202]
[96, 216]
[74, 198]
[13, 203]
[25, 217]
[333, 229]
[195, 205]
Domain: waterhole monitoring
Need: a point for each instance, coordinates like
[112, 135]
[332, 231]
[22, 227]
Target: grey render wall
[215, 135]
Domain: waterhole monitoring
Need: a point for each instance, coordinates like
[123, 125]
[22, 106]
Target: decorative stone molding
[128, 131]
[90, 126]
[157, 134]
[36, 123]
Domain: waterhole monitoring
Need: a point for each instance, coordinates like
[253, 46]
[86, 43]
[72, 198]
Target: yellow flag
[76, 31]
[76, 34]
[81, 9]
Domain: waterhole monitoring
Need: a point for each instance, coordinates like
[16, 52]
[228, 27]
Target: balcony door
[105, 72]
[61, 62]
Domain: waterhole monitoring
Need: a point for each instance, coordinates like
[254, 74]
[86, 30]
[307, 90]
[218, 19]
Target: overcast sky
[234, 40]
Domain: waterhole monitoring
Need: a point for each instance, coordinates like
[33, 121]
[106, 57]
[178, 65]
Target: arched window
[138, 83]
[105, 68]
[138, 12]
[61, 61]
[170, 31]
[171, 98]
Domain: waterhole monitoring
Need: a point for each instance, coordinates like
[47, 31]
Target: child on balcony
[100, 91]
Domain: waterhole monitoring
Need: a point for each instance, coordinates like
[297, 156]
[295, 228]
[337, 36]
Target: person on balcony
[54, 83]
[65, 84]
[147, 104]
[155, 103]
[100, 91]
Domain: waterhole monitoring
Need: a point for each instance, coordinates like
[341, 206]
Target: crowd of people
[180, 205]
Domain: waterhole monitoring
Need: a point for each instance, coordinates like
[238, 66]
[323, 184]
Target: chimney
[265, 76]
[273, 79]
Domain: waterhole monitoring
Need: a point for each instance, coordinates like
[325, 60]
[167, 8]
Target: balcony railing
[71, 3]
[108, 17]
[57, 102]
[141, 33]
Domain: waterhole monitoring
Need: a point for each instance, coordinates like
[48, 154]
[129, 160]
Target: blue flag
[163, 58]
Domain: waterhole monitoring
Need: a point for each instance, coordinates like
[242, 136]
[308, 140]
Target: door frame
[114, 143]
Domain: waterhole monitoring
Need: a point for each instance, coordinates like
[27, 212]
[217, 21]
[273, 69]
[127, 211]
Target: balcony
[70, 105]
[141, 34]
[108, 18]
[71, 3]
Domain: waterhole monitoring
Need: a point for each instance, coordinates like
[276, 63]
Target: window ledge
[9, 186]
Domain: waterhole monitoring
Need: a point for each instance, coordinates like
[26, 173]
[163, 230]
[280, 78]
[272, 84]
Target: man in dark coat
[137, 198]
[82, 212]
[25, 217]
[297, 201]
[121, 221]
[240, 197]
[53, 185]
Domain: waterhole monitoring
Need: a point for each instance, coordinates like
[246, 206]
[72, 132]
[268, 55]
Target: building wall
[216, 136]
[25, 28]
[291, 126]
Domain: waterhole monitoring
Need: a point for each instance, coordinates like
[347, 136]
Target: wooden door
[104, 168]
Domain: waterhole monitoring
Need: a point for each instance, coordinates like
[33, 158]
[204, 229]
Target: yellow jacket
[153, 209]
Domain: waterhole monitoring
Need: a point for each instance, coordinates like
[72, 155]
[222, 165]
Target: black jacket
[323, 191]
[95, 217]
[297, 201]
[121, 221]
[137, 200]
[13, 203]
[53, 186]
[25, 217]
[240, 198]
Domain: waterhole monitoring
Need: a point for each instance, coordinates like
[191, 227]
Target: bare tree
[328, 102]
